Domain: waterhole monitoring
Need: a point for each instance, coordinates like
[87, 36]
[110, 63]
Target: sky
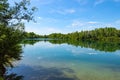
[66, 16]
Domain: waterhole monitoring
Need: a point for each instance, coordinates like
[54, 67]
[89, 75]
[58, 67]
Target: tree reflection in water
[7, 57]
[10, 54]
[97, 45]
[13, 53]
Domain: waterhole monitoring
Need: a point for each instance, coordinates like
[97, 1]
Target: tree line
[101, 34]
[32, 35]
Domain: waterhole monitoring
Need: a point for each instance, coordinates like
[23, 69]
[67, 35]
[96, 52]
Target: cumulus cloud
[78, 23]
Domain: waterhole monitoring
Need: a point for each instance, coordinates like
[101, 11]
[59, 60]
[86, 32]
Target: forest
[100, 34]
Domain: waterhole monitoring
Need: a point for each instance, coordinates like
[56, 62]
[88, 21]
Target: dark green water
[50, 60]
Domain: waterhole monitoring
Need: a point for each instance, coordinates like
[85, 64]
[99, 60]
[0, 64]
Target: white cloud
[64, 11]
[97, 2]
[51, 25]
[79, 50]
[78, 23]
[92, 22]
[47, 45]
[44, 30]
[70, 11]
[39, 17]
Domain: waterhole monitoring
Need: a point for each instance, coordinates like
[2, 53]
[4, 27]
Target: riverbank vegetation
[12, 33]
[32, 35]
[100, 34]
[102, 39]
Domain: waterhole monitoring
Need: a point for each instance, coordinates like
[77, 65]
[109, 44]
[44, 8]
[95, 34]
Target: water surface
[49, 60]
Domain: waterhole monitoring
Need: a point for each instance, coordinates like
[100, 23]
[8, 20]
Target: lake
[56, 60]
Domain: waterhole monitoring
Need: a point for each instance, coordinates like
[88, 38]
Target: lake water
[45, 60]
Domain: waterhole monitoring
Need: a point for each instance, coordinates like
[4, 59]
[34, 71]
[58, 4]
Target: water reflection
[97, 45]
[11, 54]
[35, 40]
[44, 73]
[30, 42]
[46, 61]
[7, 56]
[57, 62]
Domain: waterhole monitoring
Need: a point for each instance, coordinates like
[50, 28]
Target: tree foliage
[13, 15]
[11, 32]
[32, 35]
[101, 34]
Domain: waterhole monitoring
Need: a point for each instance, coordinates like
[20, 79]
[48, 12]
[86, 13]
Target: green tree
[101, 34]
[17, 12]
[11, 31]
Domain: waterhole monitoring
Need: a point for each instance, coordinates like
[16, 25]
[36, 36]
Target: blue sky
[64, 16]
